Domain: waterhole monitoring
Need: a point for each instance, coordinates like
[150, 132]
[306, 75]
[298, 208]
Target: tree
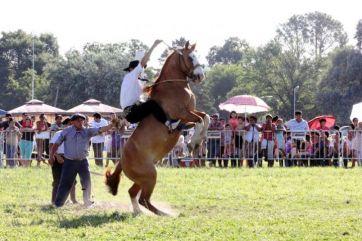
[358, 35]
[341, 87]
[230, 53]
[16, 54]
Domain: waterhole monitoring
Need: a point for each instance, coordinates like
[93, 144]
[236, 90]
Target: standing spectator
[117, 142]
[5, 124]
[42, 130]
[57, 165]
[357, 145]
[298, 129]
[355, 123]
[213, 144]
[268, 140]
[239, 138]
[26, 142]
[57, 125]
[75, 138]
[2, 142]
[12, 136]
[252, 141]
[228, 141]
[280, 138]
[222, 160]
[98, 141]
[347, 148]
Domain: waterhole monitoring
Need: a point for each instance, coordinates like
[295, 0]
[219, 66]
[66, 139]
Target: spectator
[2, 141]
[355, 123]
[252, 141]
[322, 125]
[298, 128]
[268, 140]
[347, 148]
[57, 125]
[228, 142]
[239, 137]
[98, 141]
[57, 165]
[26, 142]
[357, 145]
[117, 142]
[233, 120]
[213, 144]
[12, 136]
[280, 139]
[222, 160]
[5, 124]
[42, 138]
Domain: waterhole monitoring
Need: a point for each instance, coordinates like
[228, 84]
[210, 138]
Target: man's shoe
[172, 125]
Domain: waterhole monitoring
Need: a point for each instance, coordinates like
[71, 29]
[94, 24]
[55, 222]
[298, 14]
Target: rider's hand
[157, 42]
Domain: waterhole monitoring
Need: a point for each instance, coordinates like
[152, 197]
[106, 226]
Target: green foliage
[342, 85]
[230, 53]
[213, 204]
[358, 35]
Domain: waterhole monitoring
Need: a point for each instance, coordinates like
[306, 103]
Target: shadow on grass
[93, 220]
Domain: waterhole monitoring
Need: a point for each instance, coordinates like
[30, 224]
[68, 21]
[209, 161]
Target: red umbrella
[314, 123]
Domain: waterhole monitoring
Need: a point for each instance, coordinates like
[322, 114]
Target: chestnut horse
[152, 140]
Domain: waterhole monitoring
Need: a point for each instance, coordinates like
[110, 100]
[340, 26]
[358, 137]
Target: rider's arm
[147, 56]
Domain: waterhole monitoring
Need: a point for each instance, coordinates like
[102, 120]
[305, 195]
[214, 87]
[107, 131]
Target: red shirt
[268, 131]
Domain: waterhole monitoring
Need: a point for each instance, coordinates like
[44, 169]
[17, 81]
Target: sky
[205, 22]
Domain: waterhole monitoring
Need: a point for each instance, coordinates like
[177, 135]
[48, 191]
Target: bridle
[186, 67]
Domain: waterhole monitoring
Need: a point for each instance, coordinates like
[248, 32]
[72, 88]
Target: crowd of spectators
[233, 140]
[27, 139]
[242, 138]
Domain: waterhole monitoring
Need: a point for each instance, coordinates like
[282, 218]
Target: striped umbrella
[244, 104]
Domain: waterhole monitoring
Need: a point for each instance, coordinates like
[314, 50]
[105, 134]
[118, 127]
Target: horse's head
[190, 64]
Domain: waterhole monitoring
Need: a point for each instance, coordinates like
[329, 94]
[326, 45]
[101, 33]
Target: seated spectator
[12, 136]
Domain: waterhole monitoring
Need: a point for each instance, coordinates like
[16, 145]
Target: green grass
[213, 204]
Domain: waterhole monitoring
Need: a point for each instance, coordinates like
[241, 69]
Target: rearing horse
[152, 140]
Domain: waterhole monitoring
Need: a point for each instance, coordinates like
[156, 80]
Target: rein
[168, 81]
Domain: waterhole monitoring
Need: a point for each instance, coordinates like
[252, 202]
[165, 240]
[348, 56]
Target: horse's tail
[112, 180]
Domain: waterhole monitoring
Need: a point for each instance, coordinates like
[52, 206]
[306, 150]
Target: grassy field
[212, 204]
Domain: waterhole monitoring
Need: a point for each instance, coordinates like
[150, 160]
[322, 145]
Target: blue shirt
[76, 142]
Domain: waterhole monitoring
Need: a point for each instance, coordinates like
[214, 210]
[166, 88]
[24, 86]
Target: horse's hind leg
[147, 186]
[133, 192]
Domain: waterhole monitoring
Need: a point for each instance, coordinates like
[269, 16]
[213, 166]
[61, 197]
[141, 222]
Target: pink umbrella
[244, 104]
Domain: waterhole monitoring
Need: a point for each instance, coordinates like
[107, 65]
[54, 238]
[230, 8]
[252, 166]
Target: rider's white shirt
[132, 88]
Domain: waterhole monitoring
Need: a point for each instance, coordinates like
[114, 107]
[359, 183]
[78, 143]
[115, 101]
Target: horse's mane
[148, 89]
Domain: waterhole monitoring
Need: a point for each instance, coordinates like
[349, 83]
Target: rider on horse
[131, 94]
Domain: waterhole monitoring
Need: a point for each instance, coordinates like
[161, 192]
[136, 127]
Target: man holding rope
[76, 142]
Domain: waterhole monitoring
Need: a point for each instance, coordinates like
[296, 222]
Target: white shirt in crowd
[252, 134]
[294, 125]
[298, 129]
[132, 87]
[54, 139]
[94, 124]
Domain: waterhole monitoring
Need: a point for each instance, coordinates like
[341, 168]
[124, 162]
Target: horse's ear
[187, 44]
[193, 46]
